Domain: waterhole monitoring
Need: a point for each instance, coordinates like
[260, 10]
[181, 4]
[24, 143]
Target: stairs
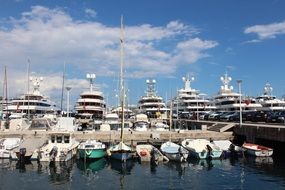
[221, 127]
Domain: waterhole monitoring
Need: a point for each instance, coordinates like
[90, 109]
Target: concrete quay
[130, 137]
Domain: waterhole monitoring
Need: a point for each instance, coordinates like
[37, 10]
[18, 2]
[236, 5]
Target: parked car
[215, 115]
[227, 116]
[273, 117]
[281, 117]
[260, 116]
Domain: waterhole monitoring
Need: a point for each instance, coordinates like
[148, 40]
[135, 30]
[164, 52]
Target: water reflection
[180, 167]
[207, 164]
[91, 165]
[123, 168]
[60, 172]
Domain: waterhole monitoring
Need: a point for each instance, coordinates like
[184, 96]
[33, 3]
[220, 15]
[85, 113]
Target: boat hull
[257, 150]
[91, 153]
[174, 152]
[122, 156]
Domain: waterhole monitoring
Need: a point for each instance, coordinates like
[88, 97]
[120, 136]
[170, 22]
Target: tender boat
[91, 149]
[202, 148]
[174, 152]
[228, 147]
[149, 153]
[257, 150]
[7, 145]
[60, 147]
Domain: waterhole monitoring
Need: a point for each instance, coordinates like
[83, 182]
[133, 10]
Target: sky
[165, 40]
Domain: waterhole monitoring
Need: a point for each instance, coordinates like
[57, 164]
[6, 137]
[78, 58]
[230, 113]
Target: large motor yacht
[190, 100]
[34, 103]
[228, 100]
[91, 105]
[152, 104]
[270, 102]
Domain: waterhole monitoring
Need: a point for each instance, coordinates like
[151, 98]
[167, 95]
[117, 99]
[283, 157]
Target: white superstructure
[269, 101]
[152, 104]
[228, 100]
[91, 104]
[33, 103]
[190, 100]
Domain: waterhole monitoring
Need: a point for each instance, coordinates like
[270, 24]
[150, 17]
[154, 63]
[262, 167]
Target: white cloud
[50, 37]
[91, 12]
[268, 31]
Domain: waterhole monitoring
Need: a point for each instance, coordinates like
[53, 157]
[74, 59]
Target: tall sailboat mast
[28, 87]
[122, 89]
[62, 87]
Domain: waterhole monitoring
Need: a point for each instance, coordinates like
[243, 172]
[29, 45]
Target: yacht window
[52, 139]
[59, 139]
[66, 139]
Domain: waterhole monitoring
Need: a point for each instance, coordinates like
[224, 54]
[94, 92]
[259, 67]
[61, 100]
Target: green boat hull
[92, 153]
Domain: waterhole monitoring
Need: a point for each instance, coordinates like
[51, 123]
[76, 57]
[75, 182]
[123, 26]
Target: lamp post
[67, 101]
[240, 110]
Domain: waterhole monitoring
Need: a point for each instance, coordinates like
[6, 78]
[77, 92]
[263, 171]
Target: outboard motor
[209, 148]
[53, 153]
[22, 154]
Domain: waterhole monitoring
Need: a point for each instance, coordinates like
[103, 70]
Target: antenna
[91, 78]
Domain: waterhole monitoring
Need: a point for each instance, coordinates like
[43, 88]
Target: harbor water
[231, 173]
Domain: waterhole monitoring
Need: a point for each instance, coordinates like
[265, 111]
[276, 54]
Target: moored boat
[120, 152]
[257, 150]
[149, 153]
[91, 149]
[228, 148]
[174, 152]
[202, 148]
[60, 147]
[7, 145]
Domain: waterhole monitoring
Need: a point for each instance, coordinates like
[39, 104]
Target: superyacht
[270, 102]
[190, 100]
[90, 107]
[151, 104]
[32, 104]
[228, 100]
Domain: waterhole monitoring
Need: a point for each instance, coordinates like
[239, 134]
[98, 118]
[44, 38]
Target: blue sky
[165, 40]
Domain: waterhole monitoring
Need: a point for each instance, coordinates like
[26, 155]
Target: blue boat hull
[122, 156]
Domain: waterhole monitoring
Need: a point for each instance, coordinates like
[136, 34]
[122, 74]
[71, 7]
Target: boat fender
[108, 152]
[143, 152]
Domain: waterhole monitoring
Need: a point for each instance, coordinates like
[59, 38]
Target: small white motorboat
[149, 153]
[257, 150]
[202, 148]
[174, 152]
[60, 147]
[7, 145]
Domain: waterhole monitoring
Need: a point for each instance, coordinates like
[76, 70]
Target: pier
[251, 132]
[130, 137]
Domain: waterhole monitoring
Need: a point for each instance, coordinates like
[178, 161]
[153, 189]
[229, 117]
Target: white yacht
[228, 100]
[61, 146]
[152, 104]
[91, 105]
[270, 102]
[190, 100]
[34, 103]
